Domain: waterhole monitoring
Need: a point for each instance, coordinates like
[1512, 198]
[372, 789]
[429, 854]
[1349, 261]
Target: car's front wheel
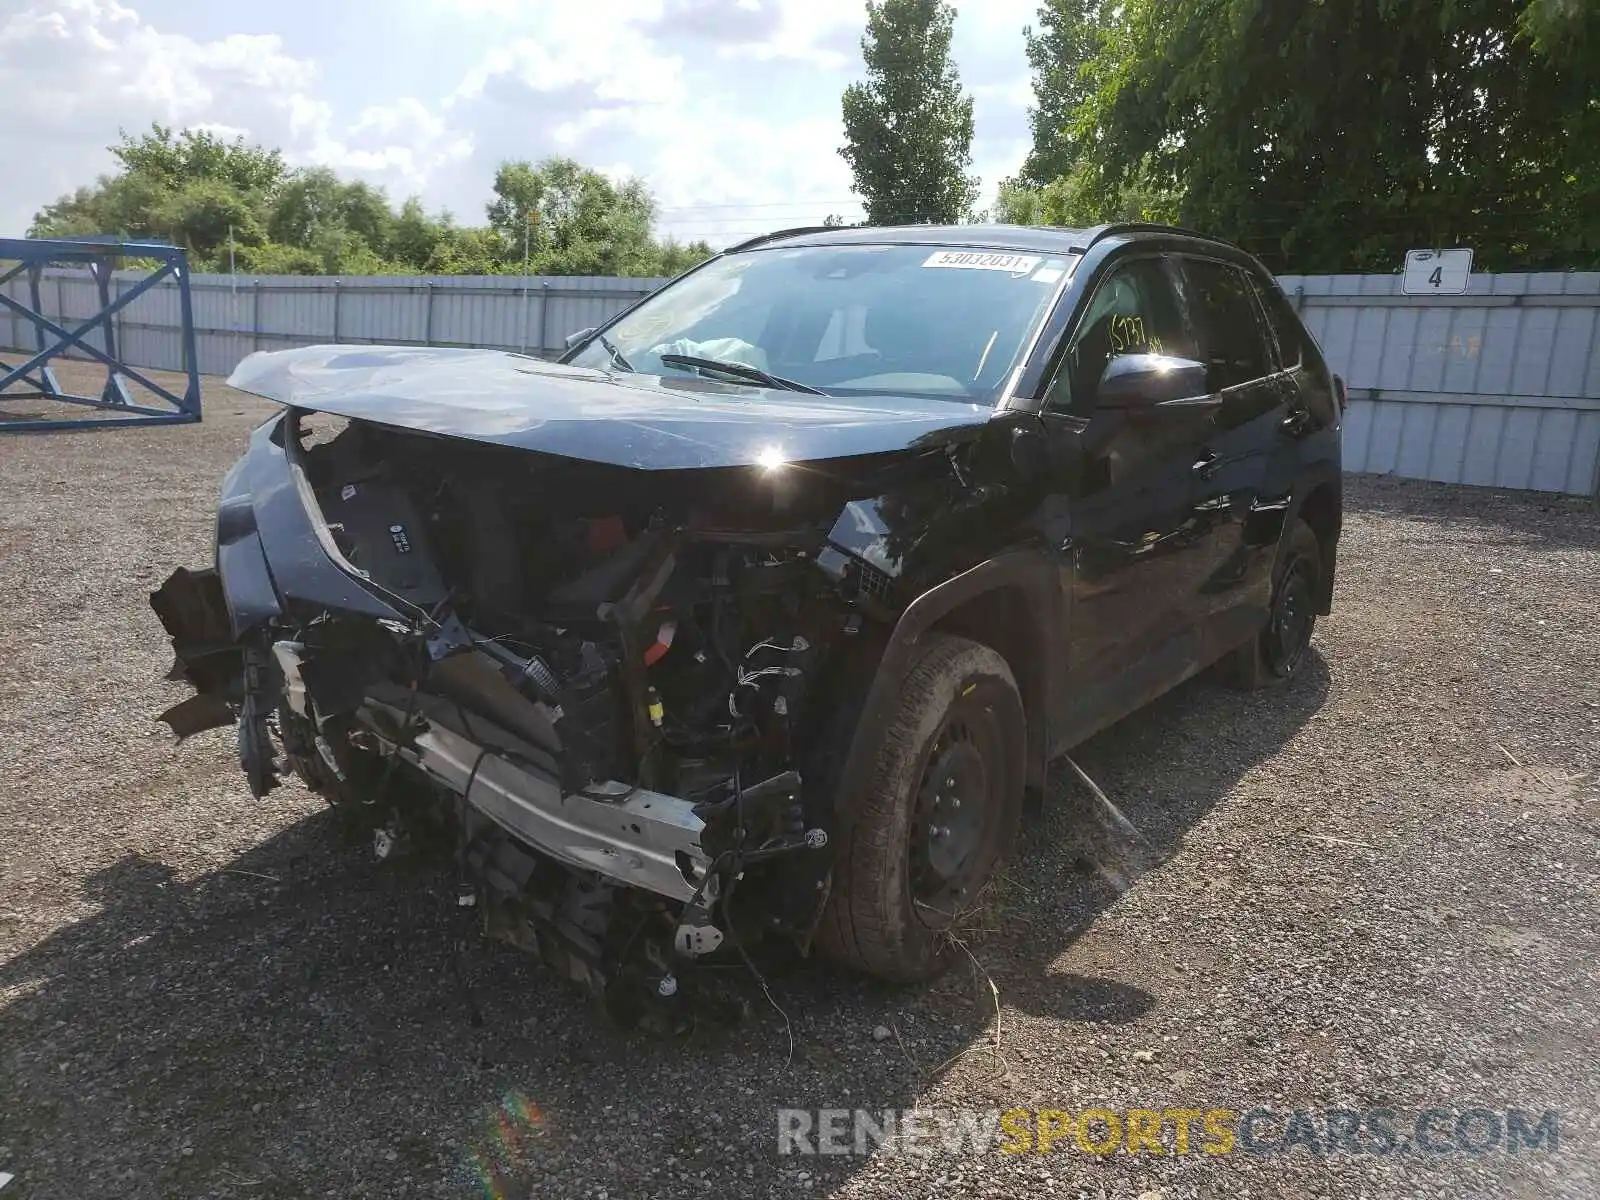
[940, 810]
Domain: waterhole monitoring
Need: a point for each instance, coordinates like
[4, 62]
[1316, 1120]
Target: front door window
[1133, 311]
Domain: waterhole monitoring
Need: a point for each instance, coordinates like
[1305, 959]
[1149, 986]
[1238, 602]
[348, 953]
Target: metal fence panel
[1500, 386]
[1448, 450]
[1582, 478]
[1485, 430]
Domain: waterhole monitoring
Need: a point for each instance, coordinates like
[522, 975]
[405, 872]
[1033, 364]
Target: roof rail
[1116, 227]
[760, 238]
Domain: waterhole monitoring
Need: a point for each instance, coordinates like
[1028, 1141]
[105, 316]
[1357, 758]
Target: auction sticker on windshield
[978, 260]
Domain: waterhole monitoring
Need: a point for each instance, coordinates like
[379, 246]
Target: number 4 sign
[1437, 272]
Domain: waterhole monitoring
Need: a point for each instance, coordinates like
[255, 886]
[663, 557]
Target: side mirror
[1143, 381]
[582, 335]
[1030, 451]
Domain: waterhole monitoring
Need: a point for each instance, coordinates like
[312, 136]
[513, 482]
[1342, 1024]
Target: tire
[1279, 651]
[899, 884]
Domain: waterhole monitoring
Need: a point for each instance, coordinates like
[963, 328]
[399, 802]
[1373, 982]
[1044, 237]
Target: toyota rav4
[758, 614]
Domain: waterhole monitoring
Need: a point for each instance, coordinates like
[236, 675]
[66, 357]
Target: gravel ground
[1377, 887]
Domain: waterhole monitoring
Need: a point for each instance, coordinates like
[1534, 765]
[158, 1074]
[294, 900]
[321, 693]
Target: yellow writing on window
[1128, 336]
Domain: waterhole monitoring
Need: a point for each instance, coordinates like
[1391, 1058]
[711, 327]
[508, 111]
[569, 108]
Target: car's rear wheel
[1280, 650]
[940, 810]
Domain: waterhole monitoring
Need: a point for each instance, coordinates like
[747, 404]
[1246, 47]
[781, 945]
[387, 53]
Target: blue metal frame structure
[33, 379]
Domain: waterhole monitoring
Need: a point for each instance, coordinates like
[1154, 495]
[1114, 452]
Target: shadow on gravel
[308, 1022]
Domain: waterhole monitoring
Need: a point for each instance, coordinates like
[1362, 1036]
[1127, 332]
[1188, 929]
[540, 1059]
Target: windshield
[847, 320]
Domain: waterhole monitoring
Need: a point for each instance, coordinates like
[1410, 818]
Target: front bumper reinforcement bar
[638, 837]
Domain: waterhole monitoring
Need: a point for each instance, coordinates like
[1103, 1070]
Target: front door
[1123, 510]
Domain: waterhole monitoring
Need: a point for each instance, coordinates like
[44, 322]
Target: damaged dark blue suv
[757, 615]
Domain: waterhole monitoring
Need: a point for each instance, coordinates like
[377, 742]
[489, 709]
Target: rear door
[1239, 504]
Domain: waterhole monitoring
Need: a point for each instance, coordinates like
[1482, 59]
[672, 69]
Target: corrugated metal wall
[1500, 386]
[235, 317]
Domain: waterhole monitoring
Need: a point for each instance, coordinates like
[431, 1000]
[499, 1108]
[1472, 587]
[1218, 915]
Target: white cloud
[74, 72]
[403, 143]
[642, 99]
[728, 108]
[823, 34]
[90, 63]
[616, 67]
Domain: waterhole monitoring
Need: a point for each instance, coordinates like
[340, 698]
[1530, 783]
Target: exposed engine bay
[623, 693]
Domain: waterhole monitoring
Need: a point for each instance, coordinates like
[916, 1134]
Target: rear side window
[1287, 331]
[1223, 308]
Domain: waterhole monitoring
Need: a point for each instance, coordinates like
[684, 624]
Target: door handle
[1207, 465]
[1296, 423]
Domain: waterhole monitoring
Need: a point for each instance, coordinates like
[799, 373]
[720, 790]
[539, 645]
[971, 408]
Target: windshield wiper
[738, 370]
[616, 355]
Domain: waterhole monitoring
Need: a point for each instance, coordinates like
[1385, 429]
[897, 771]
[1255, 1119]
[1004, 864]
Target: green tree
[204, 213]
[196, 190]
[519, 188]
[306, 203]
[175, 159]
[1566, 33]
[77, 213]
[187, 187]
[343, 251]
[908, 125]
[577, 221]
[364, 210]
[1335, 135]
[316, 200]
[1065, 42]
[416, 234]
[674, 258]
[1080, 198]
[466, 252]
[274, 258]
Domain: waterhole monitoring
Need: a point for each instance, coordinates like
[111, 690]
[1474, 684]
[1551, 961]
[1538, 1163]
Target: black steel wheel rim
[955, 803]
[1289, 633]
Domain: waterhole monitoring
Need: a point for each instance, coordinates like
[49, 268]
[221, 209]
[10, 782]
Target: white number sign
[1437, 272]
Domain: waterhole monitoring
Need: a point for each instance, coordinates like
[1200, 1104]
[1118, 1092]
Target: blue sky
[729, 109]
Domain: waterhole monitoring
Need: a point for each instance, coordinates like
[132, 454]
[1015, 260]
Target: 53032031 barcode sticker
[983, 260]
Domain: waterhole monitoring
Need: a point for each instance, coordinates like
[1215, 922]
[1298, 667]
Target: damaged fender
[1034, 586]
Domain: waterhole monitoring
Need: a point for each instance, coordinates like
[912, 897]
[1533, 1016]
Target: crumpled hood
[641, 421]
